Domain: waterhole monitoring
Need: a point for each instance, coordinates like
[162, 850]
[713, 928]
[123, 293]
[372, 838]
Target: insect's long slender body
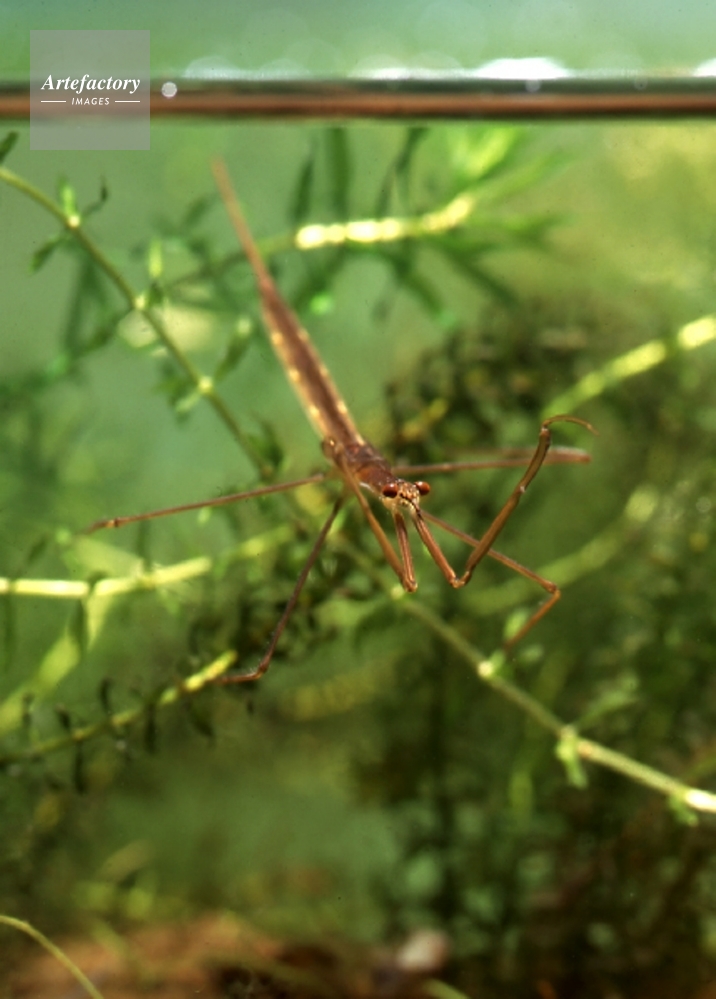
[305, 369]
[359, 463]
[361, 466]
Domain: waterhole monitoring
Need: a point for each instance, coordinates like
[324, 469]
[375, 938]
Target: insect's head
[399, 493]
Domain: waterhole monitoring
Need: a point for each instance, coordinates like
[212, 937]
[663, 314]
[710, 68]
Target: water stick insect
[362, 467]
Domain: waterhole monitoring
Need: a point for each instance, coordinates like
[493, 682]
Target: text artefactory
[90, 83]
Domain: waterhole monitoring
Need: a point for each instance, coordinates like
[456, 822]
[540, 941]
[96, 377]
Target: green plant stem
[634, 362]
[150, 579]
[569, 742]
[441, 990]
[117, 722]
[393, 229]
[203, 384]
[59, 955]
[360, 232]
[571, 746]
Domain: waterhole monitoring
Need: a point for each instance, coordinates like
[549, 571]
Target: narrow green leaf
[155, 294]
[408, 277]
[399, 171]
[524, 176]
[200, 718]
[155, 259]
[682, 813]
[566, 752]
[475, 272]
[622, 694]
[142, 545]
[492, 152]
[28, 704]
[197, 211]
[426, 294]
[322, 303]
[532, 230]
[9, 630]
[233, 354]
[321, 280]
[105, 691]
[339, 170]
[37, 549]
[79, 775]
[303, 192]
[7, 144]
[57, 367]
[267, 444]
[404, 162]
[440, 990]
[68, 199]
[43, 253]
[150, 729]
[102, 199]
[90, 302]
[102, 335]
[64, 717]
[77, 627]
[175, 385]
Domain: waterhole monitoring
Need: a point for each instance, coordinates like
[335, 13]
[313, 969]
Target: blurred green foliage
[439, 802]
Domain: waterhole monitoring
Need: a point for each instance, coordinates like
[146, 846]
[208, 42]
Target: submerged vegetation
[546, 871]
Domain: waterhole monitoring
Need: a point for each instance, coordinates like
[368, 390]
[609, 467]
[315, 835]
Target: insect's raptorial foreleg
[492, 532]
[265, 662]
[403, 566]
[483, 546]
[488, 538]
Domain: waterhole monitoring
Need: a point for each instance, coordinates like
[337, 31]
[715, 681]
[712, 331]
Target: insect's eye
[390, 492]
[423, 488]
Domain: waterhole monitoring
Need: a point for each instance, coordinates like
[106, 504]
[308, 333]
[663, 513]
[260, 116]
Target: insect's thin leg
[553, 591]
[403, 566]
[265, 661]
[499, 458]
[279, 487]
